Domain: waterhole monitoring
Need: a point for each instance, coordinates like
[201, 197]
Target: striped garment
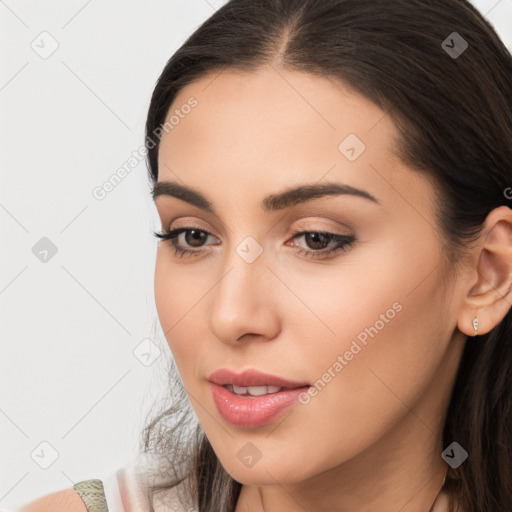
[125, 491]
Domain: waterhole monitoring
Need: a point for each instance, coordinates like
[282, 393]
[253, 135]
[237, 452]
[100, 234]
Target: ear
[490, 278]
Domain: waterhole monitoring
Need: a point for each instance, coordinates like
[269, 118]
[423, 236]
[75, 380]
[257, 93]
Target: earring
[475, 325]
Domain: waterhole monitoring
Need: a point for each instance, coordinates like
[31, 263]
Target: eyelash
[343, 242]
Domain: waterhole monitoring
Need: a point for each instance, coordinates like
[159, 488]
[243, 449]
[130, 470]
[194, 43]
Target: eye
[323, 244]
[196, 239]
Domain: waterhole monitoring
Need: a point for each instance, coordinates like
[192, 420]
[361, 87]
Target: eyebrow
[273, 202]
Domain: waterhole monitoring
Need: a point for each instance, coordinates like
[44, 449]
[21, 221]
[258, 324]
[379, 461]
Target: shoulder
[84, 496]
[67, 500]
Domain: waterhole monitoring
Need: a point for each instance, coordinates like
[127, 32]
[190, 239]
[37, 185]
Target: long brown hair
[453, 110]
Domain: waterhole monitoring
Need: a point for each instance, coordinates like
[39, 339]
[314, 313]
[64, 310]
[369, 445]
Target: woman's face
[370, 327]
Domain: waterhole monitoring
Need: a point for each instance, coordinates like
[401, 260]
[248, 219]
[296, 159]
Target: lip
[252, 377]
[253, 411]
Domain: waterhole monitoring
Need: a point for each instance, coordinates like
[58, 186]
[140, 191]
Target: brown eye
[192, 239]
[319, 240]
[195, 237]
[323, 244]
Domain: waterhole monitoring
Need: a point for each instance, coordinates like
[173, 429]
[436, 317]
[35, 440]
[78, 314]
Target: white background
[69, 326]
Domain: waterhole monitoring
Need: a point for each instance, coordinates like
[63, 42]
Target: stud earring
[475, 325]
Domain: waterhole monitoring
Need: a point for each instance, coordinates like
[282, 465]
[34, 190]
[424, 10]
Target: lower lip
[253, 411]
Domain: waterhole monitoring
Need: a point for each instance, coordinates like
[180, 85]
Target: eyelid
[178, 218]
[300, 228]
[308, 227]
[311, 225]
[188, 225]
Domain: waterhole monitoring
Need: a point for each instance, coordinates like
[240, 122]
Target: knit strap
[92, 494]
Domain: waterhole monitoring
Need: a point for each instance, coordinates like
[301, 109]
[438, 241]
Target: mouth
[252, 399]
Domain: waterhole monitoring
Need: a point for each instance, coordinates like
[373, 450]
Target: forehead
[272, 128]
[259, 105]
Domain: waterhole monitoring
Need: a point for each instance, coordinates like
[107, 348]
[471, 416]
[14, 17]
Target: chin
[267, 473]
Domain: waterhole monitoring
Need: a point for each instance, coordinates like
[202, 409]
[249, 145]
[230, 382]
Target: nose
[243, 305]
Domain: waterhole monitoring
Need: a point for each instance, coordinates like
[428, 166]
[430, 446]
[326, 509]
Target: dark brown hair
[454, 116]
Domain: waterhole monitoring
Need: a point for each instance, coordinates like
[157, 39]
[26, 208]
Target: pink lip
[252, 411]
[251, 378]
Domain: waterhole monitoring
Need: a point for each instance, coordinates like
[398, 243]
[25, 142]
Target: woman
[334, 274]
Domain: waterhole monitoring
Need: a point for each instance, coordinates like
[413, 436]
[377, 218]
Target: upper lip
[251, 377]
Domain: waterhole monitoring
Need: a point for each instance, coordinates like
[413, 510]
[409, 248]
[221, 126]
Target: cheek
[336, 304]
[165, 299]
[376, 348]
[175, 297]
[180, 298]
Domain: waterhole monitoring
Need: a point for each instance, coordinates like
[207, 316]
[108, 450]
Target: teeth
[253, 390]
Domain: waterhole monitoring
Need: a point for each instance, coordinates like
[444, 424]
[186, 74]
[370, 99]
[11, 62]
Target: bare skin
[67, 500]
[371, 438]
